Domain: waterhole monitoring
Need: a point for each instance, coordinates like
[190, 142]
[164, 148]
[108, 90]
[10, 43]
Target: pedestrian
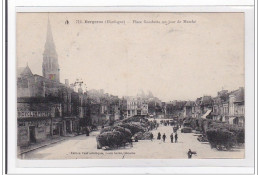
[87, 132]
[171, 137]
[159, 136]
[151, 126]
[151, 136]
[190, 154]
[164, 137]
[176, 137]
[136, 139]
[131, 142]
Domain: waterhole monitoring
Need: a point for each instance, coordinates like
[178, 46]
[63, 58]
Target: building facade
[188, 109]
[237, 107]
[228, 107]
[136, 106]
[47, 108]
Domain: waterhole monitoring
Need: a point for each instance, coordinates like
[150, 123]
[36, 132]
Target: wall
[23, 136]
[231, 105]
[33, 105]
[23, 92]
[40, 133]
[239, 109]
[188, 111]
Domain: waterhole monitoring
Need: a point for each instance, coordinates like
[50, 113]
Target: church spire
[50, 65]
[49, 44]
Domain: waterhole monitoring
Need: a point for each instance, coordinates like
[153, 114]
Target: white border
[135, 3]
[227, 166]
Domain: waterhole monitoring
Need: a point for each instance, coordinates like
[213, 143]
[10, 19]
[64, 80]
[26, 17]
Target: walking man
[87, 132]
[176, 137]
[171, 137]
[159, 136]
[151, 136]
[164, 137]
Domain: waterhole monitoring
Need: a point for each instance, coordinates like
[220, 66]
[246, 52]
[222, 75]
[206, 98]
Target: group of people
[171, 123]
[171, 137]
[153, 125]
[165, 122]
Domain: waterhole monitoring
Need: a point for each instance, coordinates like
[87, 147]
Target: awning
[206, 114]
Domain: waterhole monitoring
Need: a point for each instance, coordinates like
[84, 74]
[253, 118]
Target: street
[83, 147]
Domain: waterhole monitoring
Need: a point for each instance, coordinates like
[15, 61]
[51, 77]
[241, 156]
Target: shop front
[36, 126]
[57, 127]
[70, 126]
[33, 130]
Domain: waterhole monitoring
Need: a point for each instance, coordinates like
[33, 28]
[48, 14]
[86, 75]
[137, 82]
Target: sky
[175, 61]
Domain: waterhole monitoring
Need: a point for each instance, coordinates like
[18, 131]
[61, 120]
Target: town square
[136, 96]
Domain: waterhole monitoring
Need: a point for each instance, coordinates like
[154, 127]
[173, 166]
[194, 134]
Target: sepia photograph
[121, 85]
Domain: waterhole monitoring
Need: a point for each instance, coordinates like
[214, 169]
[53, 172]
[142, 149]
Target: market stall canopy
[206, 114]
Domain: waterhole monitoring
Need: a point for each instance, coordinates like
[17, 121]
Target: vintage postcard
[130, 85]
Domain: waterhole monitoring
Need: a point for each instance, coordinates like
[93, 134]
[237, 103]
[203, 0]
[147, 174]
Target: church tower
[50, 65]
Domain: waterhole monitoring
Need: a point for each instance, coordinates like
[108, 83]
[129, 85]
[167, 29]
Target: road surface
[83, 147]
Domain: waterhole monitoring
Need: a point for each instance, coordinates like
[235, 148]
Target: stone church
[46, 108]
